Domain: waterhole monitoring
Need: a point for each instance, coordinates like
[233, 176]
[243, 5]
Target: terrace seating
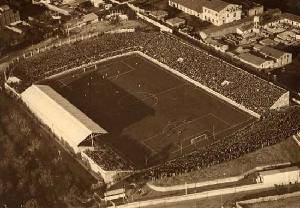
[273, 128]
[253, 93]
[244, 88]
[107, 159]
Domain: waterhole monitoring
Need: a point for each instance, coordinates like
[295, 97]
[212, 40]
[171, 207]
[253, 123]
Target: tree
[31, 203]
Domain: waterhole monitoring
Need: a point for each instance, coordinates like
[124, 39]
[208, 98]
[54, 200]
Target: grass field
[151, 114]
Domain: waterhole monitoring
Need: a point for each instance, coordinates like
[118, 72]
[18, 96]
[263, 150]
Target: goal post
[199, 138]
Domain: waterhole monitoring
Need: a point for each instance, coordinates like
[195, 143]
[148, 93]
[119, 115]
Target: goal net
[199, 138]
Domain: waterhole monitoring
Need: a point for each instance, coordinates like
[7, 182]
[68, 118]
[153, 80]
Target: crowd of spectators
[107, 159]
[65, 57]
[236, 84]
[253, 93]
[272, 128]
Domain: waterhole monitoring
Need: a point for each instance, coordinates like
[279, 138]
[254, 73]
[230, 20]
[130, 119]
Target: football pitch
[151, 114]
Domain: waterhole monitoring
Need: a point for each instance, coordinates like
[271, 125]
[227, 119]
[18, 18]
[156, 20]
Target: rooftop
[81, 117]
[90, 17]
[276, 171]
[158, 13]
[246, 27]
[114, 192]
[272, 52]
[4, 7]
[291, 17]
[197, 5]
[252, 59]
[175, 20]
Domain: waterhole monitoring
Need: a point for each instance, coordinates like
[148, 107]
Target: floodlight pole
[213, 131]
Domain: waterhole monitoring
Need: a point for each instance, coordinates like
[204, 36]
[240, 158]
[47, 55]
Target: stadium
[143, 102]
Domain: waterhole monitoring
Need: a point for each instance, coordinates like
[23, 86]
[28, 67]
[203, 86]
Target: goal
[199, 138]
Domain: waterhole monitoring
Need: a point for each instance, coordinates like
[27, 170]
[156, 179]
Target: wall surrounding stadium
[108, 176]
[283, 101]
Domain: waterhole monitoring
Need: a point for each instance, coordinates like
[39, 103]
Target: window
[234, 14]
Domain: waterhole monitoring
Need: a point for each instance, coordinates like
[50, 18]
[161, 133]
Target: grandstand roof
[72, 109]
[61, 116]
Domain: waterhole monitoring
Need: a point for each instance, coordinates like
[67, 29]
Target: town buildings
[8, 16]
[217, 12]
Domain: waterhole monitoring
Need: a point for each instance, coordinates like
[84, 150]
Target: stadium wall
[109, 177]
[157, 24]
[195, 196]
[216, 181]
[241, 204]
[283, 101]
[11, 91]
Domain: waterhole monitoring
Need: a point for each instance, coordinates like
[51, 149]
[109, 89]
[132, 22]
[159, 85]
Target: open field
[149, 112]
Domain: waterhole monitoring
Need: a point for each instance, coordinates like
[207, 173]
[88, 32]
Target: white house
[97, 3]
[175, 22]
[256, 61]
[217, 12]
[281, 58]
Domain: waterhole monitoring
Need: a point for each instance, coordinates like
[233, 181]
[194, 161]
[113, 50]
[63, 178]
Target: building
[175, 22]
[268, 42]
[75, 131]
[256, 61]
[90, 18]
[255, 9]
[8, 16]
[159, 14]
[66, 121]
[291, 19]
[245, 29]
[217, 12]
[216, 44]
[60, 8]
[114, 194]
[97, 3]
[280, 176]
[280, 58]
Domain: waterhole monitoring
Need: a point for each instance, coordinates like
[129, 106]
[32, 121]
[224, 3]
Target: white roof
[60, 115]
[90, 17]
[114, 192]
[276, 171]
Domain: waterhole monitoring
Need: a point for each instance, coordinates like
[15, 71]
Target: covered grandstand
[75, 131]
[66, 121]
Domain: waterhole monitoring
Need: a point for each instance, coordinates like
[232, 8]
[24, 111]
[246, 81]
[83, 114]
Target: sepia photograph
[149, 103]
